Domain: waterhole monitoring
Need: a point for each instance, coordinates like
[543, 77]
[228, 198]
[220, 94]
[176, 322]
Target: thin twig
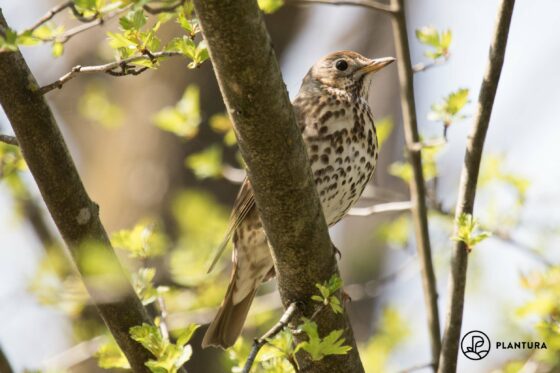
[381, 208]
[467, 190]
[99, 20]
[50, 14]
[108, 68]
[370, 4]
[74, 355]
[163, 317]
[417, 183]
[417, 146]
[421, 67]
[503, 236]
[11, 140]
[417, 367]
[260, 342]
[163, 9]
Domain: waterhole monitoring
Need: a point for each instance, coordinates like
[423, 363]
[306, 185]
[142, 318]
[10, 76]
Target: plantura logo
[475, 345]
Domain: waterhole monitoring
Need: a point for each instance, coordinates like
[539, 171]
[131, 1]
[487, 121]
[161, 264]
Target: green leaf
[134, 20]
[384, 127]
[187, 334]
[439, 41]
[184, 118]
[8, 42]
[145, 240]
[220, 123]
[207, 163]
[117, 41]
[142, 281]
[57, 49]
[270, 6]
[150, 337]
[317, 347]
[448, 110]
[392, 331]
[110, 356]
[467, 231]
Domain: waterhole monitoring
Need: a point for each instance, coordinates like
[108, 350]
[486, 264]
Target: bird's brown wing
[243, 204]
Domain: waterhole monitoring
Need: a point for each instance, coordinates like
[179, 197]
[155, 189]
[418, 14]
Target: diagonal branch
[75, 214]
[271, 333]
[110, 68]
[467, 189]
[370, 4]
[7, 139]
[417, 183]
[270, 142]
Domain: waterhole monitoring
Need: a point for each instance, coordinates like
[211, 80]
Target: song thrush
[337, 127]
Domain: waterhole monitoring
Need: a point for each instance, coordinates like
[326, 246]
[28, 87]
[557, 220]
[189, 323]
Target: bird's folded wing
[244, 203]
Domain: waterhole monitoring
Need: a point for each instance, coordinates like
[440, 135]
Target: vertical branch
[256, 99]
[73, 212]
[417, 185]
[467, 189]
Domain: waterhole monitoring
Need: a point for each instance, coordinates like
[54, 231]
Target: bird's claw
[337, 252]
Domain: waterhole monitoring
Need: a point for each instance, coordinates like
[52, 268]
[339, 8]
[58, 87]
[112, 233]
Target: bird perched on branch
[339, 133]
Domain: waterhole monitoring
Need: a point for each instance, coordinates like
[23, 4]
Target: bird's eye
[341, 65]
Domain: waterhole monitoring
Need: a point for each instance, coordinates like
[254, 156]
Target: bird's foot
[336, 251]
[346, 298]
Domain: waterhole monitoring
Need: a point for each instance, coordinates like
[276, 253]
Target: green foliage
[468, 231]
[96, 106]
[220, 123]
[393, 331]
[190, 260]
[8, 42]
[403, 170]
[145, 240]
[169, 356]
[207, 163]
[328, 291]
[142, 281]
[384, 127]
[55, 285]
[184, 118]
[493, 170]
[317, 347]
[449, 110]
[274, 356]
[110, 356]
[270, 6]
[439, 41]
[545, 307]
[395, 232]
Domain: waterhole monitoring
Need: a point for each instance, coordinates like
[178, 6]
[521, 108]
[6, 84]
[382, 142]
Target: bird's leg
[345, 296]
[336, 251]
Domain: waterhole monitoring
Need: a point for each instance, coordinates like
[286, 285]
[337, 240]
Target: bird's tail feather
[228, 322]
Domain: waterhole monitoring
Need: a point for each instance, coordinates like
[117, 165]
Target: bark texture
[73, 212]
[256, 99]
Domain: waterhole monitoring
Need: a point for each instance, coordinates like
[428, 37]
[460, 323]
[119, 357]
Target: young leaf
[439, 41]
[317, 347]
[184, 118]
[150, 337]
[270, 6]
[207, 163]
[467, 231]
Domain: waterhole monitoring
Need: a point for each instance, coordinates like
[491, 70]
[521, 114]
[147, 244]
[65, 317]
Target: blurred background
[157, 153]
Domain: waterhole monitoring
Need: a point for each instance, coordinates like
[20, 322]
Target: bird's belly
[341, 176]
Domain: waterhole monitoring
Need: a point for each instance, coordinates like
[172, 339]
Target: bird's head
[345, 70]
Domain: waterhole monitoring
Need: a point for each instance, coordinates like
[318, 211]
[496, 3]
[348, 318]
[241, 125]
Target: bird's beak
[376, 65]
